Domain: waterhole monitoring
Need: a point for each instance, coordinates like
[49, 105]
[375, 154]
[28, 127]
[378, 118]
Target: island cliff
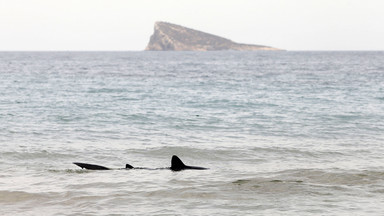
[173, 37]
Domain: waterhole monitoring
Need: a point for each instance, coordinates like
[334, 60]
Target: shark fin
[91, 166]
[128, 166]
[178, 165]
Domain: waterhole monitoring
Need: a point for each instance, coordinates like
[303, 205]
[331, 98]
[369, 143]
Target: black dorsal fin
[177, 164]
[128, 166]
[91, 166]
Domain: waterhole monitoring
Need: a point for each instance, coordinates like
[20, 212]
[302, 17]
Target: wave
[314, 181]
[22, 196]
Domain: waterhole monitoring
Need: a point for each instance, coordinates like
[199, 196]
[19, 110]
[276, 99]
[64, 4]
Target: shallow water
[283, 133]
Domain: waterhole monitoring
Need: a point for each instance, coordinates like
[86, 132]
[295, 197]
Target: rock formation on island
[171, 37]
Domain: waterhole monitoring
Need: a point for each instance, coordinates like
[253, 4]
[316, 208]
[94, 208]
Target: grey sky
[127, 25]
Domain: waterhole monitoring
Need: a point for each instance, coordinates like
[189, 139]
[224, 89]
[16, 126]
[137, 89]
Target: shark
[176, 165]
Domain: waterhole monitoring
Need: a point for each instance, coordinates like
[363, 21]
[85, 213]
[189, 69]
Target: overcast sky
[127, 25]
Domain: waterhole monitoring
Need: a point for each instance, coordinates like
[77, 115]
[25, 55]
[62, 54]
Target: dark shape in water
[176, 165]
[92, 166]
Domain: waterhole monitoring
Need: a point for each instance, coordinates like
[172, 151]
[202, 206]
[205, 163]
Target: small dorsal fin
[128, 166]
[176, 163]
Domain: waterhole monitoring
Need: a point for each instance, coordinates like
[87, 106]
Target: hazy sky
[127, 25]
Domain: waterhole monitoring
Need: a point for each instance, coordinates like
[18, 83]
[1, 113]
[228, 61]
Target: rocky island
[171, 37]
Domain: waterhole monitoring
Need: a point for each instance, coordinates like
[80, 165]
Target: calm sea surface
[283, 133]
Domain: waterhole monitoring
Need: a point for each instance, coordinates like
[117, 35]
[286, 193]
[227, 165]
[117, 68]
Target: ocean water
[283, 133]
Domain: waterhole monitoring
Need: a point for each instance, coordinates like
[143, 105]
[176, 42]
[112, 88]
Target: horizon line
[304, 50]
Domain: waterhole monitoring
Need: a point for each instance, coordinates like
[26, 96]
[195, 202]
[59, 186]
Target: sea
[282, 133]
